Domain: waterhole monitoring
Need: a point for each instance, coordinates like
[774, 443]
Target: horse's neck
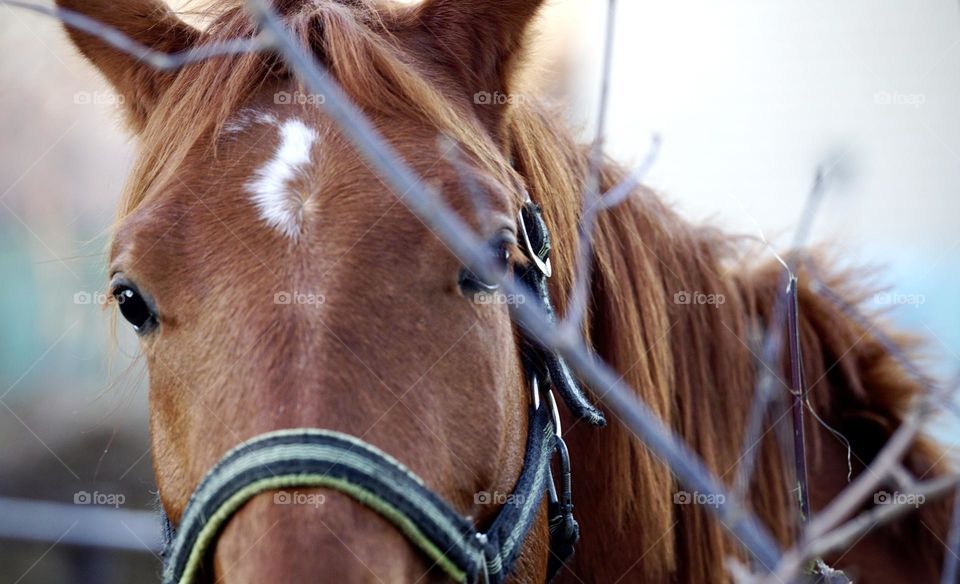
[674, 322]
[656, 317]
[681, 317]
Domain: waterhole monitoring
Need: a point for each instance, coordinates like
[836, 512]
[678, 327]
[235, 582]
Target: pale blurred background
[748, 97]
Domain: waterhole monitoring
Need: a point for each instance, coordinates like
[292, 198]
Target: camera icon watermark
[498, 98]
[499, 298]
[496, 498]
[698, 498]
[297, 498]
[697, 298]
[900, 299]
[98, 98]
[914, 100]
[114, 500]
[898, 498]
[299, 298]
[84, 297]
[298, 98]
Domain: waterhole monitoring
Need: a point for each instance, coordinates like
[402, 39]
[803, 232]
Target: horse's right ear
[148, 22]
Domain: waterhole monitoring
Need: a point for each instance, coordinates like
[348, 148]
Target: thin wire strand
[580, 295]
[425, 203]
[621, 399]
[156, 59]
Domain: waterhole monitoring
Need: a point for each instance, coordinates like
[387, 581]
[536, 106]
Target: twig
[156, 59]
[943, 395]
[822, 534]
[841, 537]
[619, 192]
[617, 396]
[951, 559]
[873, 476]
[452, 153]
[823, 525]
[798, 398]
[688, 468]
[764, 395]
[765, 391]
[880, 515]
[811, 208]
[580, 294]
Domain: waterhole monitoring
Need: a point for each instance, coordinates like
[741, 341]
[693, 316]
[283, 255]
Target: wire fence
[835, 526]
[87, 526]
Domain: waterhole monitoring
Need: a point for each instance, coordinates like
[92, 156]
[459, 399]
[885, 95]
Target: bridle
[309, 457]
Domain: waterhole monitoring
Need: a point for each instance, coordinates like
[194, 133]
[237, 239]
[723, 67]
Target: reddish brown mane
[693, 366]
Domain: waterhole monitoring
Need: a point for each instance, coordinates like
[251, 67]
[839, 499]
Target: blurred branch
[867, 483]
[944, 395]
[785, 310]
[951, 559]
[83, 525]
[580, 296]
[590, 215]
[817, 545]
[157, 59]
[822, 534]
[423, 201]
[825, 533]
[621, 191]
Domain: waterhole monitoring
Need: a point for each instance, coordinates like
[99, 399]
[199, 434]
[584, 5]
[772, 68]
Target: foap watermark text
[298, 498]
[900, 299]
[698, 298]
[498, 98]
[698, 498]
[898, 498]
[97, 498]
[299, 298]
[498, 297]
[914, 100]
[496, 498]
[298, 98]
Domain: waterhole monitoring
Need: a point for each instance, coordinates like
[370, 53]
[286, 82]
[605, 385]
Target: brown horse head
[275, 282]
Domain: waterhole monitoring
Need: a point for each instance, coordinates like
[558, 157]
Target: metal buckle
[542, 264]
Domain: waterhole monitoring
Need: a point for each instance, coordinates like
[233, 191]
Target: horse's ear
[480, 41]
[148, 22]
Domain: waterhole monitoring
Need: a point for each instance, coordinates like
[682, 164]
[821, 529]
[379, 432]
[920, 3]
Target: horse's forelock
[352, 39]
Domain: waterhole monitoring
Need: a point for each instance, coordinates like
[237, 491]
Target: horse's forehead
[262, 180]
[279, 176]
[284, 175]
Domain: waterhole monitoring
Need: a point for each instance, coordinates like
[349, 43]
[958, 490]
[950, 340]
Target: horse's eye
[500, 249]
[134, 307]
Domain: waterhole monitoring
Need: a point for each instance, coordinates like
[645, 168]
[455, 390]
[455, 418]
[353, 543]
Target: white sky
[750, 96]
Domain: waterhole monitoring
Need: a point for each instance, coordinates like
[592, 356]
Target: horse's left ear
[480, 42]
[148, 22]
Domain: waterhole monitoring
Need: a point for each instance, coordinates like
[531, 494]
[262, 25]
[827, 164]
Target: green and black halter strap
[308, 457]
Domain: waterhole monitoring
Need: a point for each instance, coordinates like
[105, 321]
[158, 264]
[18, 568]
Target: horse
[275, 282]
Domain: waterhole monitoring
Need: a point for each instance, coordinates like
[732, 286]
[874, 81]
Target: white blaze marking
[246, 118]
[279, 205]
